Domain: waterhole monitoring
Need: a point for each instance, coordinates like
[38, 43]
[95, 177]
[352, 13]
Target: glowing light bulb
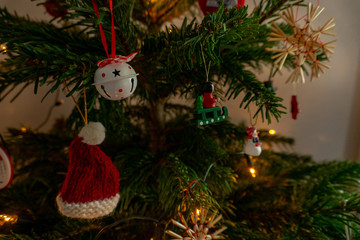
[7, 219]
[253, 172]
[197, 212]
[23, 129]
[3, 47]
[272, 132]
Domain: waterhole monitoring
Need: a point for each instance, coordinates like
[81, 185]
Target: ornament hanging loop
[253, 124]
[294, 88]
[207, 69]
[102, 34]
[83, 116]
[85, 107]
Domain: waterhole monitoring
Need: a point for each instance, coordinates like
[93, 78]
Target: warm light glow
[170, 31]
[234, 179]
[23, 129]
[3, 47]
[272, 131]
[151, 238]
[7, 219]
[197, 212]
[253, 172]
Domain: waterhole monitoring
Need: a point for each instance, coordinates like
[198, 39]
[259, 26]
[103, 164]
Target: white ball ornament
[115, 79]
[6, 169]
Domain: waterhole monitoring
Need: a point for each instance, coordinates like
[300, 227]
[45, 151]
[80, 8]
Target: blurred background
[328, 125]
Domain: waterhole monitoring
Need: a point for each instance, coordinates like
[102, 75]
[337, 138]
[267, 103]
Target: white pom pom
[93, 133]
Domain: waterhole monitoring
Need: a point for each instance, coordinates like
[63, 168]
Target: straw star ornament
[304, 43]
[201, 227]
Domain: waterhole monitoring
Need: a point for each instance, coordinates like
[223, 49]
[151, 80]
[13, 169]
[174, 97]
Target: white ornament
[252, 145]
[115, 79]
[6, 169]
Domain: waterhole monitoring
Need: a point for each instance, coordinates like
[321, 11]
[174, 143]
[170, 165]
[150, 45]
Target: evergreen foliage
[160, 156]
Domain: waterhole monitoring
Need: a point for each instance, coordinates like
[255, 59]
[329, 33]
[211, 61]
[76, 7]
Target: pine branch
[269, 13]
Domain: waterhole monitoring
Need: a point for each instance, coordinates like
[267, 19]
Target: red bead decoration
[55, 9]
[211, 6]
[294, 107]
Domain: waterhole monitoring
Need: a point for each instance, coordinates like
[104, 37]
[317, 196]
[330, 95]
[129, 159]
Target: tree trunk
[157, 126]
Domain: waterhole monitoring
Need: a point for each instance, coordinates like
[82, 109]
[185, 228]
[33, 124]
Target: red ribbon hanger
[102, 34]
[112, 57]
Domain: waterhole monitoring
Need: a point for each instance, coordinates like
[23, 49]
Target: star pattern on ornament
[304, 43]
[116, 73]
[201, 226]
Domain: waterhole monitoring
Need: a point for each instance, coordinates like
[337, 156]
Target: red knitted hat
[91, 187]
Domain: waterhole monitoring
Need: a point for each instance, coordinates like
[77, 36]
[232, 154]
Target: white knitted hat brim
[89, 210]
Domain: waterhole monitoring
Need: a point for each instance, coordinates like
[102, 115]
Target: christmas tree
[185, 170]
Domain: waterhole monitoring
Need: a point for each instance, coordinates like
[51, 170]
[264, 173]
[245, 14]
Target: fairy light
[252, 172]
[250, 165]
[197, 212]
[8, 219]
[23, 129]
[272, 132]
[3, 48]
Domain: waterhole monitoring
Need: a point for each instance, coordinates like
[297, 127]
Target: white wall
[326, 104]
[27, 109]
[352, 147]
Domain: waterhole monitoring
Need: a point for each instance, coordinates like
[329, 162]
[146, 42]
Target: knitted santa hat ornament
[91, 187]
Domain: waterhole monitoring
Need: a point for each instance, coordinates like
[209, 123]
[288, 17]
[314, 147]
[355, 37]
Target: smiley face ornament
[115, 79]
